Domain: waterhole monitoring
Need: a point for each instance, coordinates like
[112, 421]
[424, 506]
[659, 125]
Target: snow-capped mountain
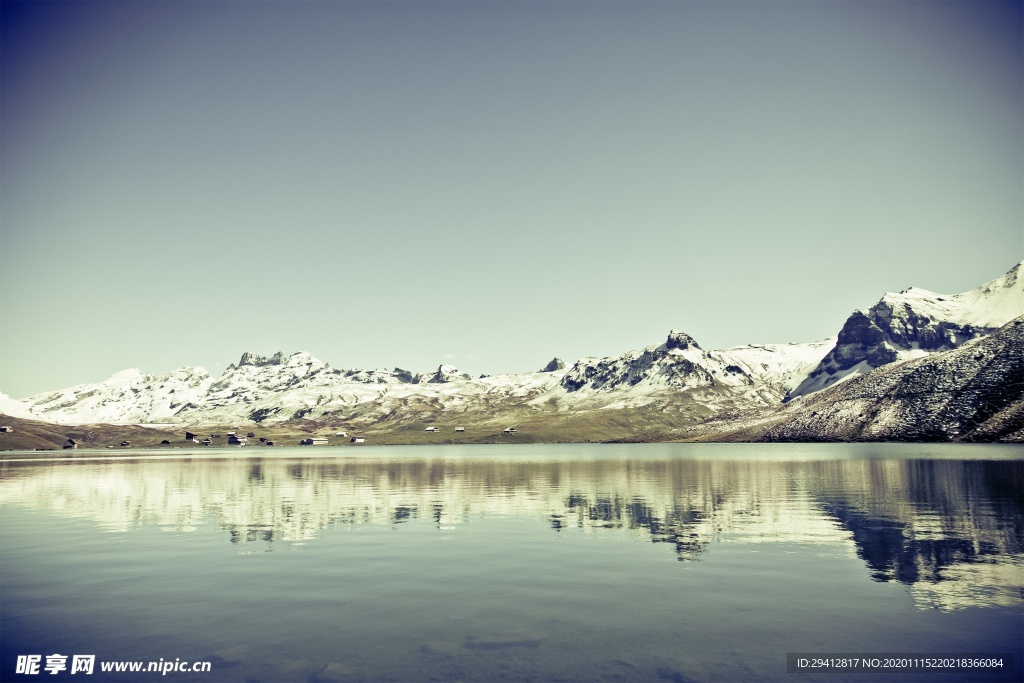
[300, 386]
[761, 374]
[271, 389]
[126, 397]
[973, 392]
[915, 323]
[678, 363]
[676, 379]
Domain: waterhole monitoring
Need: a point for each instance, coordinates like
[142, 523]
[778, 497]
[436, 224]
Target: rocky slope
[972, 393]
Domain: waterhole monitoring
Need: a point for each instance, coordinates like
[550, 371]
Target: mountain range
[915, 365]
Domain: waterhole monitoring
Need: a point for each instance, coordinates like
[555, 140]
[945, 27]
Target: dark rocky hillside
[972, 393]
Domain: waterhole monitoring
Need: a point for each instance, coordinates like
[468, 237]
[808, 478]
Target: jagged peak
[446, 373]
[256, 360]
[554, 365]
[250, 358]
[677, 339]
[405, 376]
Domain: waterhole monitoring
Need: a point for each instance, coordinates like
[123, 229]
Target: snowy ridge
[783, 365]
[126, 397]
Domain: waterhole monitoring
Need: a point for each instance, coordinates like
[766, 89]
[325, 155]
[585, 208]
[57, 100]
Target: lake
[686, 563]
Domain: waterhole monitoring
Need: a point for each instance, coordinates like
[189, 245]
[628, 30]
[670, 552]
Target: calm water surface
[668, 562]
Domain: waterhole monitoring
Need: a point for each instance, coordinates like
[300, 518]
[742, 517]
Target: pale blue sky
[488, 184]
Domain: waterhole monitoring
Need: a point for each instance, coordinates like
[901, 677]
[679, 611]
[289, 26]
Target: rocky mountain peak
[405, 376]
[677, 339]
[446, 373]
[250, 358]
[256, 360]
[554, 365]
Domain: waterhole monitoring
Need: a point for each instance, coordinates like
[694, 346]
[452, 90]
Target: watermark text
[31, 665]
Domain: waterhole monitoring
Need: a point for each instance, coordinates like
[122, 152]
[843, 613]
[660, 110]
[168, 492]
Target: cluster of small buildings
[236, 439]
[322, 441]
[434, 430]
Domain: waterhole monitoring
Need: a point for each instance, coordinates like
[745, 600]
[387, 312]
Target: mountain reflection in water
[952, 530]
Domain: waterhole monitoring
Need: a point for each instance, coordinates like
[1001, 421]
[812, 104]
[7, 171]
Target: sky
[488, 184]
